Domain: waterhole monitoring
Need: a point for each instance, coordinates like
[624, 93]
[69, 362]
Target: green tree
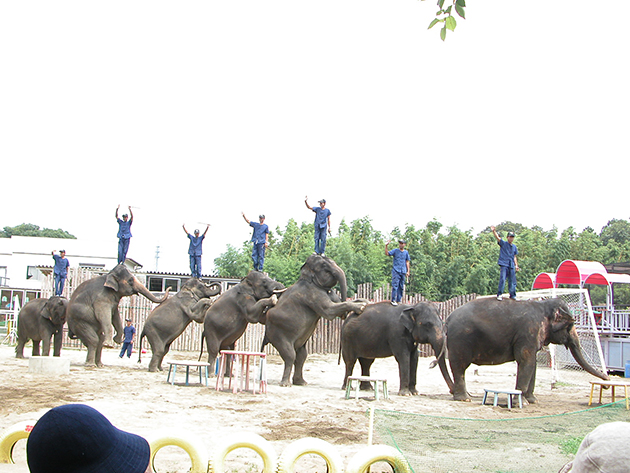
[28, 229]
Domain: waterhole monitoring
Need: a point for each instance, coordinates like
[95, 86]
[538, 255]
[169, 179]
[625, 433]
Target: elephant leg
[104, 315]
[413, 371]
[90, 339]
[526, 378]
[300, 358]
[350, 361]
[35, 348]
[213, 346]
[287, 353]
[403, 373]
[46, 345]
[159, 351]
[118, 326]
[19, 349]
[459, 381]
[366, 364]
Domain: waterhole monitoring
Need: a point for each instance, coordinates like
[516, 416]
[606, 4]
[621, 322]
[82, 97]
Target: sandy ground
[144, 403]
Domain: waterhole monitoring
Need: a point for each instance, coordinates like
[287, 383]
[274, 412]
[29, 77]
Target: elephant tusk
[279, 291]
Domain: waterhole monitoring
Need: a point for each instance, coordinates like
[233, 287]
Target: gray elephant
[490, 332]
[293, 320]
[40, 320]
[168, 320]
[93, 310]
[383, 330]
[227, 319]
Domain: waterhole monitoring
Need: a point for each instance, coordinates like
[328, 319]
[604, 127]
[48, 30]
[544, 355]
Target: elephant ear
[406, 317]
[46, 311]
[111, 282]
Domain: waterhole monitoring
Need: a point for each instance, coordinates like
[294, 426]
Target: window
[172, 283]
[155, 284]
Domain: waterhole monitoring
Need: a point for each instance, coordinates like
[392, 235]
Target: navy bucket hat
[77, 438]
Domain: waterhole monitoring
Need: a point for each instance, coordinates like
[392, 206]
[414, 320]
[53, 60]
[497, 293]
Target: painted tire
[191, 445]
[361, 461]
[250, 440]
[9, 438]
[290, 455]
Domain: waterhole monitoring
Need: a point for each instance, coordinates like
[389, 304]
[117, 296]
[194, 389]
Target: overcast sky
[195, 111]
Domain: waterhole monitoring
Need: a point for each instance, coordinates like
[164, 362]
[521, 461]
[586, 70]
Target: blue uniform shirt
[321, 217]
[61, 265]
[259, 232]
[400, 259]
[124, 228]
[507, 253]
[194, 249]
[129, 332]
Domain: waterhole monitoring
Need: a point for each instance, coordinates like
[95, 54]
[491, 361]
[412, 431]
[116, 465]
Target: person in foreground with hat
[60, 271]
[195, 251]
[124, 234]
[322, 224]
[400, 269]
[603, 450]
[260, 239]
[508, 264]
[76, 438]
[130, 333]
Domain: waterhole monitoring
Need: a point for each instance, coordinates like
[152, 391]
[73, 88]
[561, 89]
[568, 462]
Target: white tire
[361, 461]
[10, 437]
[191, 445]
[250, 440]
[308, 445]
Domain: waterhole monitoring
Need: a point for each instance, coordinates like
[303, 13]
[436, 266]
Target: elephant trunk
[439, 347]
[341, 278]
[146, 293]
[579, 357]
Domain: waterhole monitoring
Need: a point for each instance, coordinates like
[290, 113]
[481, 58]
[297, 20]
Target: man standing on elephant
[508, 265]
[260, 238]
[130, 334]
[322, 224]
[124, 234]
[60, 271]
[195, 251]
[400, 269]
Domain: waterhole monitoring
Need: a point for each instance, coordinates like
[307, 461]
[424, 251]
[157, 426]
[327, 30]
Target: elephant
[227, 319]
[292, 321]
[40, 320]
[491, 332]
[93, 309]
[168, 320]
[383, 330]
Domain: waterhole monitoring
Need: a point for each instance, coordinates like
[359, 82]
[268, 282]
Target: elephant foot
[404, 392]
[530, 399]
[366, 386]
[414, 392]
[118, 339]
[153, 369]
[108, 343]
[299, 382]
[285, 384]
[462, 397]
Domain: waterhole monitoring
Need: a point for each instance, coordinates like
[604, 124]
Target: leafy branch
[445, 16]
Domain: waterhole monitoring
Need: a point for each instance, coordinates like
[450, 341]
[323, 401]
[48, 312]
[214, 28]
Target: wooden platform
[612, 384]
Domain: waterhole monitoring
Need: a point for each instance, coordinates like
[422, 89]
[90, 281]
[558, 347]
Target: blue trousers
[59, 282]
[507, 273]
[398, 285]
[126, 347]
[320, 240]
[258, 256]
[195, 266]
[123, 247]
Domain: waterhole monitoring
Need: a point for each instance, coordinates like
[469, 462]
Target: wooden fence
[326, 338]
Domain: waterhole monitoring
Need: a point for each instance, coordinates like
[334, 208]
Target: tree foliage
[28, 229]
[445, 262]
[446, 18]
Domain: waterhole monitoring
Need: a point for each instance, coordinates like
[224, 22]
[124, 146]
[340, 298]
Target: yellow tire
[9, 438]
[191, 445]
[308, 445]
[362, 460]
[250, 440]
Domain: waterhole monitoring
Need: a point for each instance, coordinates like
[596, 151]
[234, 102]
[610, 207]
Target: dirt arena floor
[144, 403]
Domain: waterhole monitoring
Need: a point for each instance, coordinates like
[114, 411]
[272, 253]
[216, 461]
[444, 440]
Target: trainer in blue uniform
[400, 269]
[124, 234]
[508, 264]
[195, 251]
[60, 271]
[322, 224]
[130, 333]
[260, 238]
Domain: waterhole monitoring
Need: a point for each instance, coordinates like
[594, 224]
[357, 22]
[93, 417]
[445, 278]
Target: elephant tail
[140, 347]
[203, 337]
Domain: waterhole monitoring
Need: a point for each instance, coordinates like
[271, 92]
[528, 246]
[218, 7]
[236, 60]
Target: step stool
[509, 392]
[374, 381]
